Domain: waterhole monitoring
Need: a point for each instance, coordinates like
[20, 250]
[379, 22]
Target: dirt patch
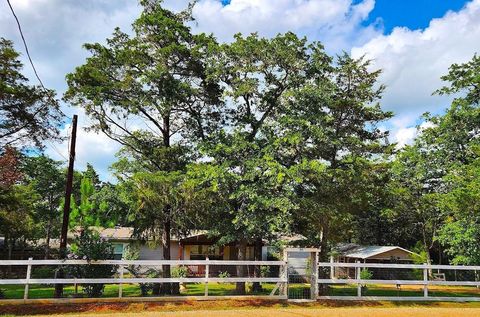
[223, 305]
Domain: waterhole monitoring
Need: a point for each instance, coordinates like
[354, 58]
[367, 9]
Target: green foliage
[461, 231]
[28, 114]
[16, 215]
[44, 272]
[91, 247]
[333, 119]
[132, 252]
[180, 271]
[223, 274]
[366, 274]
[420, 255]
[48, 180]
[265, 271]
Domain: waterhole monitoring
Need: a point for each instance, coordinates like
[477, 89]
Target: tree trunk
[47, 240]
[11, 245]
[166, 287]
[323, 256]
[241, 256]
[257, 287]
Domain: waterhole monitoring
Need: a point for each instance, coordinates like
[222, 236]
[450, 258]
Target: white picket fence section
[425, 282]
[281, 280]
[122, 264]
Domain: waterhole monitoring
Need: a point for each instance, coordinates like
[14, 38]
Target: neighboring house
[196, 246]
[351, 253]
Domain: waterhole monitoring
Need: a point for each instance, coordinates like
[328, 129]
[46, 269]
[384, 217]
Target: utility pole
[66, 207]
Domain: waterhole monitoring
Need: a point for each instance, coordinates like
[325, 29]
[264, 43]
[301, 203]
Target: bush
[366, 274]
[2, 294]
[223, 274]
[44, 272]
[91, 247]
[264, 271]
[180, 271]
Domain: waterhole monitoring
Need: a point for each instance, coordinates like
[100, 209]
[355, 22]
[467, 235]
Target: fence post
[314, 277]
[359, 286]
[207, 274]
[425, 280]
[29, 272]
[285, 273]
[120, 286]
[332, 268]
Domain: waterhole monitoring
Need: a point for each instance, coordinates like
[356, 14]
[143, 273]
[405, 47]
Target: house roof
[126, 233]
[364, 252]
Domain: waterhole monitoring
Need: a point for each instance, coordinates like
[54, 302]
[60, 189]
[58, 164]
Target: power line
[25, 44]
[56, 150]
[36, 74]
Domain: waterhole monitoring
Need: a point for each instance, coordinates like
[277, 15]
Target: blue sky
[413, 14]
[413, 42]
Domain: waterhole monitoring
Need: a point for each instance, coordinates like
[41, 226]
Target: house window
[118, 251]
[201, 252]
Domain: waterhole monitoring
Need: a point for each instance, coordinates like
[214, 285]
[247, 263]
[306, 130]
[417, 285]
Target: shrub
[132, 252]
[264, 271]
[91, 247]
[366, 274]
[44, 272]
[2, 294]
[180, 271]
[223, 274]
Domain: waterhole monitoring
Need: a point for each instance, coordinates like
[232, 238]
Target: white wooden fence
[425, 282]
[122, 264]
[281, 280]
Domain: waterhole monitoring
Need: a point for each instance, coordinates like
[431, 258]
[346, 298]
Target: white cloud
[91, 147]
[334, 22]
[413, 61]
[56, 30]
[404, 136]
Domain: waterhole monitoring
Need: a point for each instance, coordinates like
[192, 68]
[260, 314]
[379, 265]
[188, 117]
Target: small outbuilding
[351, 253]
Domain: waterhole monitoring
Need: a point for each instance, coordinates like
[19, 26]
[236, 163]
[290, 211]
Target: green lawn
[417, 291]
[129, 290]
[224, 289]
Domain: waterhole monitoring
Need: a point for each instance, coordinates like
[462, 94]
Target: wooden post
[314, 277]
[332, 269]
[66, 205]
[285, 273]
[359, 286]
[29, 273]
[207, 273]
[425, 280]
[120, 286]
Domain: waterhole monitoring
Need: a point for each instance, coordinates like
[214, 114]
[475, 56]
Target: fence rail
[425, 282]
[205, 278]
[324, 275]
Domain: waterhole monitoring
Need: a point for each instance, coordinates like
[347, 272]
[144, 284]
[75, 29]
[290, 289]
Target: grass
[405, 290]
[225, 289]
[129, 290]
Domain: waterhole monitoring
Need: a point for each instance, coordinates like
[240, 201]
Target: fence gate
[302, 273]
